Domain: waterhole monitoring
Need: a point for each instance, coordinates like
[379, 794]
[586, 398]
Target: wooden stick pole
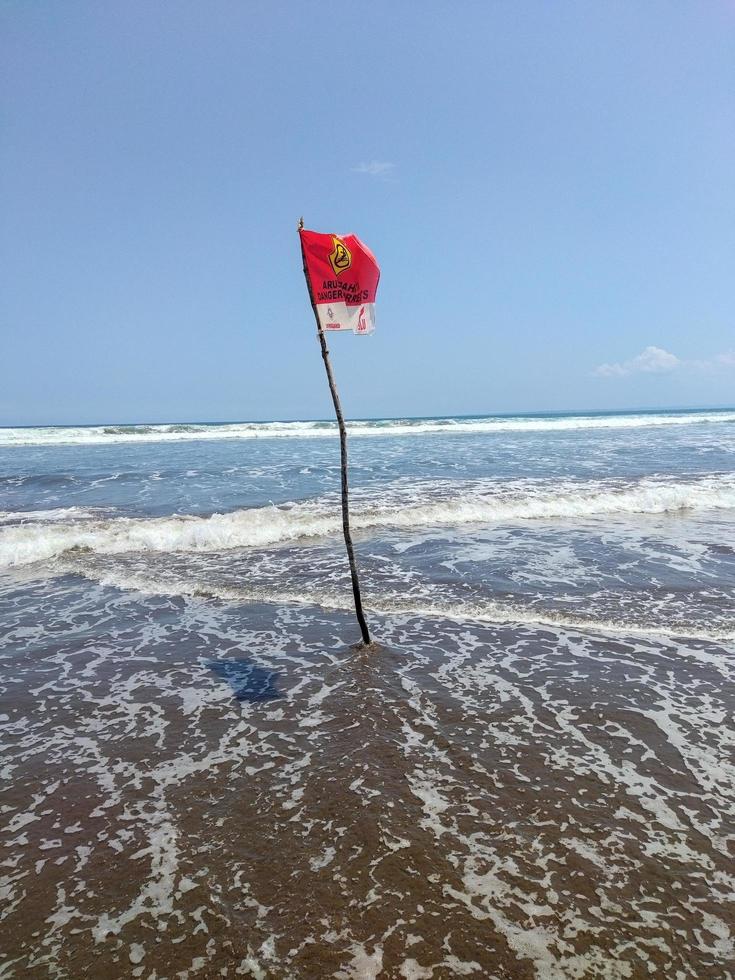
[343, 455]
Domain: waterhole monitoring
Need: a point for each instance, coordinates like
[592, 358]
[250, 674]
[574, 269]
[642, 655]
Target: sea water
[534, 776]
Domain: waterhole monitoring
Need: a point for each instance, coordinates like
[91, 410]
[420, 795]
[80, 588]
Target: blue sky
[548, 187]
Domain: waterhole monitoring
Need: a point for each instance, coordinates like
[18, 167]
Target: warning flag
[343, 276]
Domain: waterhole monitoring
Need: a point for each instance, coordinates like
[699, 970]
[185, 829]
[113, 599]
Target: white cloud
[656, 360]
[726, 359]
[652, 360]
[375, 168]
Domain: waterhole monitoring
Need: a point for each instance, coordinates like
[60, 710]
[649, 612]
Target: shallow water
[532, 778]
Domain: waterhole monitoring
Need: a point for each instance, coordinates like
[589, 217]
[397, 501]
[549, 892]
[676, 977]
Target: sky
[548, 188]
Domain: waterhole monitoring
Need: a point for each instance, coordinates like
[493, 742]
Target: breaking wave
[420, 506]
[109, 434]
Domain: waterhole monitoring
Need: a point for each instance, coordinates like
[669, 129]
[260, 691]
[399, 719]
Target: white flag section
[339, 316]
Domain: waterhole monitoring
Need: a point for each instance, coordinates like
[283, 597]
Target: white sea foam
[488, 611]
[52, 514]
[180, 432]
[419, 506]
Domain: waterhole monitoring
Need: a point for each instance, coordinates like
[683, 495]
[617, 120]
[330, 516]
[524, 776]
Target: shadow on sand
[247, 681]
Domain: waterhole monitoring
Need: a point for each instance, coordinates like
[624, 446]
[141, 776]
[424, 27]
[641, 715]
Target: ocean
[533, 777]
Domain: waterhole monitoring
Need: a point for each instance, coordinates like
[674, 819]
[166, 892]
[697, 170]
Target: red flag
[343, 275]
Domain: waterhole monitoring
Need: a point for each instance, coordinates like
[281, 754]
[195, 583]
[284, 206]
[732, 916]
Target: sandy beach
[499, 802]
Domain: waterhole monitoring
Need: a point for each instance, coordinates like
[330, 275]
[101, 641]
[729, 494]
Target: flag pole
[343, 454]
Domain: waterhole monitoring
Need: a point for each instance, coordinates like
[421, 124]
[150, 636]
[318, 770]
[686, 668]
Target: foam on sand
[486, 611]
[461, 802]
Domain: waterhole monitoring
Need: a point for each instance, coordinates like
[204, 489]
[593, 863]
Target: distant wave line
[182, 432]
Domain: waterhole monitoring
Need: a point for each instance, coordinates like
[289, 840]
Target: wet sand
[195, 789]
